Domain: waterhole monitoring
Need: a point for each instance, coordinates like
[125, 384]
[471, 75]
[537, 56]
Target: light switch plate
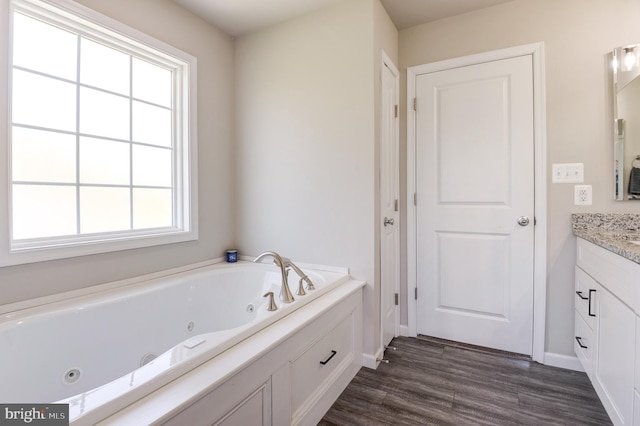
[582, 195]
[568, 173]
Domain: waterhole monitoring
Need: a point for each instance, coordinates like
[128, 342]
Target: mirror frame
[625, 71]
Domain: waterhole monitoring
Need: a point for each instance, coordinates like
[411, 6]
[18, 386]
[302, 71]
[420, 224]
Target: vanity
[607, 271]
[607, 310]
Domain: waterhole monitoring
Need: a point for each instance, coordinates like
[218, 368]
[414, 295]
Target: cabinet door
[231, 404]
[584, 344]
[585, 286]
[614, 370]
[254, 410]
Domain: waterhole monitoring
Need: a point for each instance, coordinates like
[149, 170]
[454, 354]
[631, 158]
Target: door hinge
[395, 205]
[415, 198]
[396, 299]
[395, 111]
[534, 221]
[415, 296]
[415, 104]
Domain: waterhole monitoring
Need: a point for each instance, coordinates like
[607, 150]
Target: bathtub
[103, 351]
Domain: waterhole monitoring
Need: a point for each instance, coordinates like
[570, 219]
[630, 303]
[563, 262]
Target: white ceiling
[240, 17]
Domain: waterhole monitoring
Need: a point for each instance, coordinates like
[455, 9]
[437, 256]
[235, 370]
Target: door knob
[388, 221]
[523, 221]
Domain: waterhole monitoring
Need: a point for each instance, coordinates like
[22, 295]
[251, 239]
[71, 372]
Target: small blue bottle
[232, 256]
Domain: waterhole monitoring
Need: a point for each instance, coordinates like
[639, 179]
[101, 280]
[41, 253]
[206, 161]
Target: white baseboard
[371, 361]
[404, 331]
[562, 361]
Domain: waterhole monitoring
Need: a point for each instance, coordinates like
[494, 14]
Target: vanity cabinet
[636, 396]
[605, 323]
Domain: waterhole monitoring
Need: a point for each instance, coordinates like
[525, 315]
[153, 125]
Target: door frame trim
[386, 61]
[536, 50]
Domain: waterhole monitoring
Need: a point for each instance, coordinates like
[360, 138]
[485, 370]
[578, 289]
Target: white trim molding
[536, 50]
[562, 361]
[372, 361]
[385, 61]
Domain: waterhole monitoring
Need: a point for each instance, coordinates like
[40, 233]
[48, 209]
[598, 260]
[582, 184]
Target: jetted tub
[106, 350]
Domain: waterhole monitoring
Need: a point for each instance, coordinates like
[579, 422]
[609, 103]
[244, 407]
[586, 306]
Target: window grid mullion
[174, 153]
[87, 185]
[89, 135]
[131, 212]
[88, 86]
[78, 210]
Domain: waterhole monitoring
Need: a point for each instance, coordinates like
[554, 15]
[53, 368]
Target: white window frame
[97, 26]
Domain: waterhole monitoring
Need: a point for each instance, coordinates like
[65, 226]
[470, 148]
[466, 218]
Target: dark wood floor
[434, 383]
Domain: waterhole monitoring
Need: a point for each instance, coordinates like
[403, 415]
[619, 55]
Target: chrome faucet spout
[285, 293]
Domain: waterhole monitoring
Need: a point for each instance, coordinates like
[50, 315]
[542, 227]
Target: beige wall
[577, 34]
[168, 22]
[306, 141]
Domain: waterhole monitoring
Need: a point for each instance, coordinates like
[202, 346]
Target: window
[101, 148]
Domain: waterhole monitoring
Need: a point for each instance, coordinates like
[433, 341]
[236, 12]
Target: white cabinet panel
[319, 363]
[636, 409]
[637, 380]
[584, 294]
[255, 410]
[238, 401]
[636, 396]
[584, 344]
[613, 377]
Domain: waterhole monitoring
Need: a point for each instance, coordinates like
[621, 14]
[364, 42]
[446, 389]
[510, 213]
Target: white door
[389, 203]
[474, 214]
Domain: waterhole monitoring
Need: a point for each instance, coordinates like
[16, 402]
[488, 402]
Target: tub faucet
[285, 293]
[303, 277]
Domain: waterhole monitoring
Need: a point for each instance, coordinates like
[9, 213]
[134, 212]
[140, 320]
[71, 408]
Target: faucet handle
[286, 261]
[272, 303]
[310, 285]
[301, 291]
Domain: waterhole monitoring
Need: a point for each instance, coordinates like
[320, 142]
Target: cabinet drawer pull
[333, 353]
[590, 292]
[579, 340]
[579, 293]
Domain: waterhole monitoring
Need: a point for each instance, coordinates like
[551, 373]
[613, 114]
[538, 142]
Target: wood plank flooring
[435, 383]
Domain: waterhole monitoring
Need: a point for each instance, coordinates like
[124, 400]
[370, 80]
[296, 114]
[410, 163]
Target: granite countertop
[612, 231]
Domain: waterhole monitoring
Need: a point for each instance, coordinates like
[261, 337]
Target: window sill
[18, 256]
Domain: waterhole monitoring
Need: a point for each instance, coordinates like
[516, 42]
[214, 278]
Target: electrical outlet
[582, 195]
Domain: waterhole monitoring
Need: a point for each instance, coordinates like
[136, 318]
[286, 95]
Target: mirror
[626, 110]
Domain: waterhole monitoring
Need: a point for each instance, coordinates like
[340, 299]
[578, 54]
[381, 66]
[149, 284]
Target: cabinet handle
[590, 292]
[333, 353]
[579, 340]
[579, 293]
